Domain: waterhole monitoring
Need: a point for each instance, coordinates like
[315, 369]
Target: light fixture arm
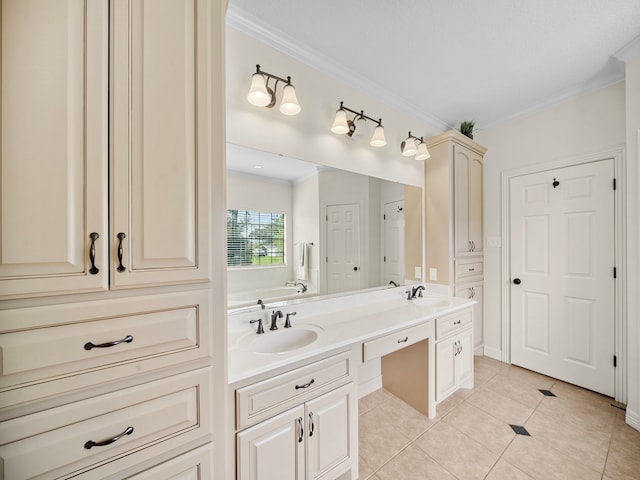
[269, 75]
[360, 114]
[421, 139]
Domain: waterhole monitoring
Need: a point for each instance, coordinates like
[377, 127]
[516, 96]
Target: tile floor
[577, 434]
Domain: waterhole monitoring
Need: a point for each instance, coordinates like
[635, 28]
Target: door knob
[355, 269]
[517, 281]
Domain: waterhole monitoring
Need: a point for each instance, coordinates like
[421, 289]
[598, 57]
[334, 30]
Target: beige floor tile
[623, 460]
[372, 400]
[502, 407]
[503, 470]
[365, 471]
[566, 390]
[379, 440]
[456, 452]
[404, 417]
[523, 391]
[579, 412]
[481, 427]
[542, 461]
[413, 464]
[534, 379]
[586, 445]
[452, 402]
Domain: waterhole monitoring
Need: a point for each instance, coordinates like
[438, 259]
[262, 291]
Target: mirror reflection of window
[255, 238]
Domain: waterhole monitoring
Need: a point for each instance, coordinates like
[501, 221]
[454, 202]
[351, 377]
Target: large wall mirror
[297, 229]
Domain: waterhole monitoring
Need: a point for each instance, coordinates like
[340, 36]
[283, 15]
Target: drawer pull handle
[127, 339]
[312, 427]
[403, 340]
[472, 269]
[90, 444]
[457, 322]
[301, 435]
[92, 253]
[121, 236]
[306, 385]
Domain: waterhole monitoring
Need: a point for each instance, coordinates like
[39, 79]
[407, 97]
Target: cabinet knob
[517, 281]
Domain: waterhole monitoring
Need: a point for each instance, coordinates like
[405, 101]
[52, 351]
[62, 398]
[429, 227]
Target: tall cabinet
[112, 168]
[453, 210]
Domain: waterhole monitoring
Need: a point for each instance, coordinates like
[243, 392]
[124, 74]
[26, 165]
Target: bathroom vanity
[296, 389]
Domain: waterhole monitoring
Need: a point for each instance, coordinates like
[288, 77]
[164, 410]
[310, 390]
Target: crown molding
[630, 51]
[251, 26]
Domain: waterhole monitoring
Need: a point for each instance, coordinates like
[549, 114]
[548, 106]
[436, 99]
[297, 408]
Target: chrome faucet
[304, 287]
[391, 282]
[275, 315]
[287, 321]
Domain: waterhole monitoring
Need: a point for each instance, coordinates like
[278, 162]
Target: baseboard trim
[370, 386]
[493, 353]
[479, 351]
[633, 419]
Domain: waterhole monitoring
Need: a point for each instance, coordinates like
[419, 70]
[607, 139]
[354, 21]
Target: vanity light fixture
[410, 148]
[342, 125]
[262, 95]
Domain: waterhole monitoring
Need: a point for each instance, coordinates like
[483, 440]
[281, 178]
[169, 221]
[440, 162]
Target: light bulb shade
[409, 147]
[340, 125]
[378, 139]
[360, 127]
[289, 104]
[258, 94]
[423, 153]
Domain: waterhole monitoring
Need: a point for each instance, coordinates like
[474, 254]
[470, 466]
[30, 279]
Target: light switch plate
[418, 273]
[433, 274]
[494, 242]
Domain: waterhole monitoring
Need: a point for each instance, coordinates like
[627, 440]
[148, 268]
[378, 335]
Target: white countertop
[342, 322]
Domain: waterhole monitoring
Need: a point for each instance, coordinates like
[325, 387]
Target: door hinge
[384, 258]
[614, 184]
[615, 361]
[615, 272]
[384, 216]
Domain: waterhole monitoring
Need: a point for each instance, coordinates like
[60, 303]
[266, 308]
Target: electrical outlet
[433, 274]
[495, 242]
[417, 272]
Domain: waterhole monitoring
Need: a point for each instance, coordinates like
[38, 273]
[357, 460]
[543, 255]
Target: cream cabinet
[311, 441]
[453, 210]
[300, 424]
[454, 353]
[112, 171]
[63, 117]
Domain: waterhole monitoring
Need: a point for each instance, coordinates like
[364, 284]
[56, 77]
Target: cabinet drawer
[395, 341]
[451, 323]
[45, 342]
[194, 465]
[55, 441]
[467, 270]
[269, 397]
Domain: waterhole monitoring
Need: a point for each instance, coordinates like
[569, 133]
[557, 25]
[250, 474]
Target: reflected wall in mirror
[342, 231]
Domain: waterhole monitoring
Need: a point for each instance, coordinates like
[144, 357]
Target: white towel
[302, 262]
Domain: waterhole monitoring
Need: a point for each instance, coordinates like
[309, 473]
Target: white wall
[633, 239]
[583, 125]
[250, 192]
[306, 223]
[307, 136]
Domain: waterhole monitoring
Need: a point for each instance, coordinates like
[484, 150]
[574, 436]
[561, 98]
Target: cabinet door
[161, 141]
[475, 203]
[474, 291]
[273, 449]
[467, 172]
[54, 146]
[329, 421]
[445, 368]
[464, 357]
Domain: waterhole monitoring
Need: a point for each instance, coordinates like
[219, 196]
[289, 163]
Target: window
[255, 238]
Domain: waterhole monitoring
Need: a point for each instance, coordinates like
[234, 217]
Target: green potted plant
[466, 128]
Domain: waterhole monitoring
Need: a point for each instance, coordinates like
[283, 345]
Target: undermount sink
[283, 340]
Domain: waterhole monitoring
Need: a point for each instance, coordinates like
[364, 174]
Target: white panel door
[562, 259]
[162, 73]
[393, 243]
[54, 79]
[343, 248]
[274, 449]
[328, 431]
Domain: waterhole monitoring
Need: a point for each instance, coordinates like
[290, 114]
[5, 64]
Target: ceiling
[445, 61]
